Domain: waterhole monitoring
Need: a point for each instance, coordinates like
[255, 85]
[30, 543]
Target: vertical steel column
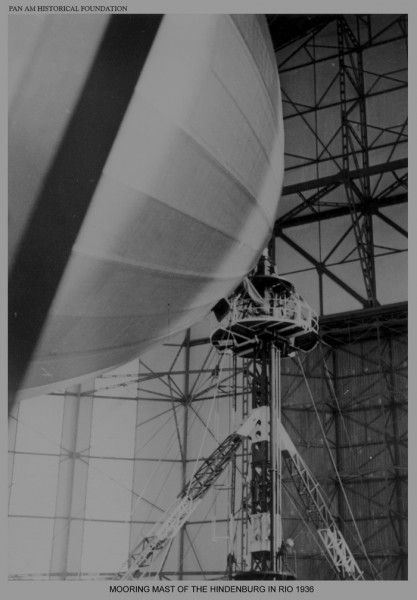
[13, 422]
[233, 467]
[398, 485]
[67, 541]
[186, 402]
[275, 452]
[355, 151]
[321, 296]
[337, 432]
[231, 558]
[137, 480]
[245, 463]
[261, 489]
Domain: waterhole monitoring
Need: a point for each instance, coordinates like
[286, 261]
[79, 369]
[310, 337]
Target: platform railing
[292, 309]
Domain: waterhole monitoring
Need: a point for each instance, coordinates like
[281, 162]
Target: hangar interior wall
[93, 468]
[360, 394]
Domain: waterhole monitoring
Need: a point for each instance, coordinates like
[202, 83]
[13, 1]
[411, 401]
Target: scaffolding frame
[357, 172]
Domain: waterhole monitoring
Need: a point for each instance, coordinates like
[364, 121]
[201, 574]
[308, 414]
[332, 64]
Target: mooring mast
[266, 320]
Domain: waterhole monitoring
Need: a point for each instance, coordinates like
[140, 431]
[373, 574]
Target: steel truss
[357, 171]
[316, 509]
[358, 379]
[360, 382]
[173, 387]
[363, 413]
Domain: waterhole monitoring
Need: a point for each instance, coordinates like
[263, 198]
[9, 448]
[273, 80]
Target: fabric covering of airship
[185, 203]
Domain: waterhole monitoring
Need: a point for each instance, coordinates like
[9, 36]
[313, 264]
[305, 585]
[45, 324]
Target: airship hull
[185, 203]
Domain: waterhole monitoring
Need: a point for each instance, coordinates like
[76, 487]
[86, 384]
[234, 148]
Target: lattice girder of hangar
[341, 238]
[341, 232]
[92, 468]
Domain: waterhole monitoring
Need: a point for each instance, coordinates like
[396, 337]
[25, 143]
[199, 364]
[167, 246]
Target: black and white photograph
[207, 299]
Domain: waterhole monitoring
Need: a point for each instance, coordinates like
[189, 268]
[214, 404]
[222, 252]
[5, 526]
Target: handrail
[291, 308]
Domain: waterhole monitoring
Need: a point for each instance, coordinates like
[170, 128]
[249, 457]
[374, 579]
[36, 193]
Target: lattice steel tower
[266, 320]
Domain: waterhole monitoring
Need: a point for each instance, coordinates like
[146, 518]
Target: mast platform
[277, 314]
